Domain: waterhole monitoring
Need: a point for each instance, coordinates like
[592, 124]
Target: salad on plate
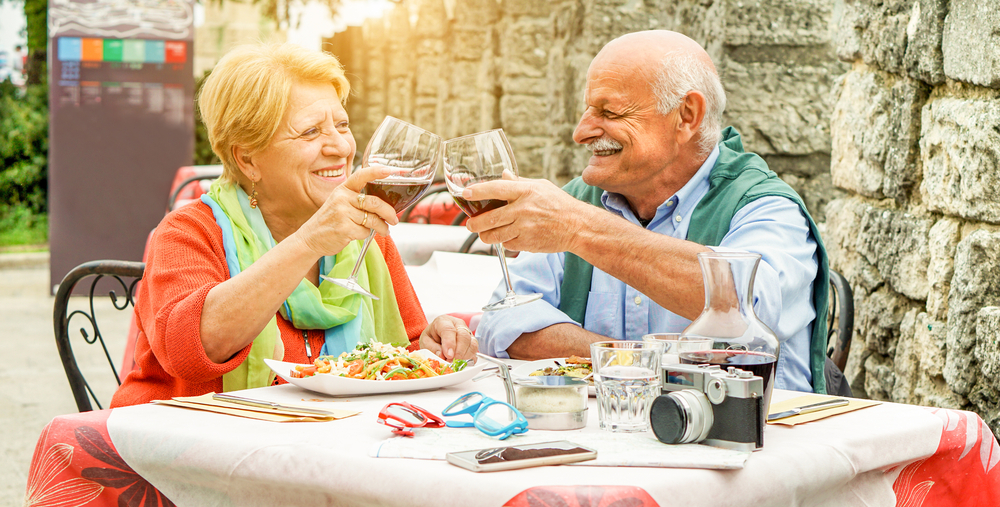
[379, 361]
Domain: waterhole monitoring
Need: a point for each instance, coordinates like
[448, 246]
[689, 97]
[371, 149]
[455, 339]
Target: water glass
[627, 376]
[674, 346]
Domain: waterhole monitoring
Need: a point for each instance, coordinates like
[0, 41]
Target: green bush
[203, 154]
[24, 145]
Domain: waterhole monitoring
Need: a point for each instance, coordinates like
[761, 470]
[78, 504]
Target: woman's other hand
[348, 215]
[449, 338]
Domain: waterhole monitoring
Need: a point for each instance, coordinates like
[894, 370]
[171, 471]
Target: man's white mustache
[604, 144]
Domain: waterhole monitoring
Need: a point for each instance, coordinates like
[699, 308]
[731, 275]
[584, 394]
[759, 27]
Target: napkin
[809, 399]
[207, 403]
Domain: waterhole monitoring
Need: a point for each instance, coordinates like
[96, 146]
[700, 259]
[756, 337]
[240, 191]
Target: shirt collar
[687, 197]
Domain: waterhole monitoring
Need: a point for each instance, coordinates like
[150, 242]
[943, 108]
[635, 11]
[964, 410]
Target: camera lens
[681, 417]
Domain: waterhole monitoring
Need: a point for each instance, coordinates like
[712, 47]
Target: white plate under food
[335, 385]
[526, 369]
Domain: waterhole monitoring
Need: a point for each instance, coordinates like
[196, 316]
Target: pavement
[35, 386]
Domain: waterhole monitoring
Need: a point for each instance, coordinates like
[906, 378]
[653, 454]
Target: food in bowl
[547, 400]
[576, 367]
[379, 361]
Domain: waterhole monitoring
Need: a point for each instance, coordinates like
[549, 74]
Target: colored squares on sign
[155, 51]
[176, 52]
[92, 50]
[70, 49]
[134, 51]
[113, 50]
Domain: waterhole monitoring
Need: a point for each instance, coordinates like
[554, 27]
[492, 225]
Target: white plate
[526, 369]
[334, 385]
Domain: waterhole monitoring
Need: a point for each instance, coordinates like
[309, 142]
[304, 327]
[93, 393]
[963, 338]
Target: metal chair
[840, 325]
[467, 246]
[120, 272]
[172, 200]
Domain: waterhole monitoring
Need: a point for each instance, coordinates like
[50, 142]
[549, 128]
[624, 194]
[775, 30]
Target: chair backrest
[189, 190]
[840, 324]
[125, 275]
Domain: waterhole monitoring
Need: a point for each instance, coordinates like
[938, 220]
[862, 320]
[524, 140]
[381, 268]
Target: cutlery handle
[267, 404]
[823, 405]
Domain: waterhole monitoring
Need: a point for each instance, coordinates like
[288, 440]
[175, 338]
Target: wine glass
[414, 153]
[473, 159]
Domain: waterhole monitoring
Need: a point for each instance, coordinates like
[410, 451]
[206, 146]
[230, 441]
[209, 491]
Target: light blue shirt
[773, 227]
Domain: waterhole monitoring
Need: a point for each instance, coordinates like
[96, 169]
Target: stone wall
[226, 25]
[461, 66]
[916, 143]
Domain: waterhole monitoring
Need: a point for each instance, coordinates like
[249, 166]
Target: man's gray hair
[681, 73]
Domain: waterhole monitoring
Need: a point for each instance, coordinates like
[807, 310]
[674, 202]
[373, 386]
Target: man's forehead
[617, 82]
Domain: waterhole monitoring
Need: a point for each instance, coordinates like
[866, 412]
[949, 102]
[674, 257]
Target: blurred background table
[455, 283]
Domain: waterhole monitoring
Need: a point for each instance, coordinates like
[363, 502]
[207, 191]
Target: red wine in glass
[760, 364]
[398, 193]
[413, 154]
[477, 158]
[474, 208]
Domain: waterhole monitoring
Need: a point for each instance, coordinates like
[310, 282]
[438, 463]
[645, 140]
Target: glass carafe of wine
[739, 338]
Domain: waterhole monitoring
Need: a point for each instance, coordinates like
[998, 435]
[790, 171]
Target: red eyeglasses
[401, 415]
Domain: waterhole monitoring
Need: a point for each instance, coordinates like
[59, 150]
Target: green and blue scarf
[348, 318]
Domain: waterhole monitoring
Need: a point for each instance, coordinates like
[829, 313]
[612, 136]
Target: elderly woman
[235, 278]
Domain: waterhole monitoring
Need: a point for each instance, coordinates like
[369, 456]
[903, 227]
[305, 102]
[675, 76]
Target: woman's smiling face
[311, 153]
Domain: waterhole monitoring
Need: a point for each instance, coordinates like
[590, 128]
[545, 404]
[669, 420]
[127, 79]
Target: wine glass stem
[502, 254]
[361, 256]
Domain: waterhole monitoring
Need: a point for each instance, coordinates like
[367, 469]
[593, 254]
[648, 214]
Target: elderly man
[617, 249]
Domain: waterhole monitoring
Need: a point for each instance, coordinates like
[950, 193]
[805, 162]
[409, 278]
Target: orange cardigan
[185, 259]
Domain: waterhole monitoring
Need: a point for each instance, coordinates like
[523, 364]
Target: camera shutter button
[715, 391]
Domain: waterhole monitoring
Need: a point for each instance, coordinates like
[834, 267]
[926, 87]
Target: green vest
[737, 179]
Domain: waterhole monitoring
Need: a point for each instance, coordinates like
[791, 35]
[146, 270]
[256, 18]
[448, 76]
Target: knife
[823, 405]
[268, 404]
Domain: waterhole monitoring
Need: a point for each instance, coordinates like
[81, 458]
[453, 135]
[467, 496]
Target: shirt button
[670, 202]
[638, 301]
[677, 218]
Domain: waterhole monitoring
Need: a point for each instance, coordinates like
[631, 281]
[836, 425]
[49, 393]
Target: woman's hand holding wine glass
[412, 154]
[339, 219]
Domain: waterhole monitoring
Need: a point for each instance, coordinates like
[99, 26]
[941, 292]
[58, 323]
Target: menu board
[121, 108]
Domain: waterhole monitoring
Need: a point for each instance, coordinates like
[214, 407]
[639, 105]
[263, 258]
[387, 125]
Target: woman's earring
[253, 195]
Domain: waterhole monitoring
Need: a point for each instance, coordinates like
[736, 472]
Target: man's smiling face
[630, 141]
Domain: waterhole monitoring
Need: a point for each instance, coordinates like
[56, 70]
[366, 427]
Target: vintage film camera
[705, 403]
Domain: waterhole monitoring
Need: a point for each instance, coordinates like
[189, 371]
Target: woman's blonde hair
[244, 99]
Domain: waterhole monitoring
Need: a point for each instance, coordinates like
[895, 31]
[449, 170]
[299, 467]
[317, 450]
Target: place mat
[809, 399]
[613, 449]
[207, 403]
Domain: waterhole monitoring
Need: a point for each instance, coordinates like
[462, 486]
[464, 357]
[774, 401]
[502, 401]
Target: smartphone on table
[521, 456]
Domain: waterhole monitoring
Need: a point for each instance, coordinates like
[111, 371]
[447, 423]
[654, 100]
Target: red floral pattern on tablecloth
[963, 471]
[582, 496]
[75, 464]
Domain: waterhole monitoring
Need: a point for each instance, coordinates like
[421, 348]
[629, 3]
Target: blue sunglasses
[492, 417]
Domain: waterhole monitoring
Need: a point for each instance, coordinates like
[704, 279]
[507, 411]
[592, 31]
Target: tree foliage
[36, 13]
[24, 146]
[203, 154]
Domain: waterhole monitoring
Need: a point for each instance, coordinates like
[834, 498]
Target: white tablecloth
[199, 458]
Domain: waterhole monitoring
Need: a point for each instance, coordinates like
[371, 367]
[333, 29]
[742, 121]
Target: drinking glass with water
[627, 376]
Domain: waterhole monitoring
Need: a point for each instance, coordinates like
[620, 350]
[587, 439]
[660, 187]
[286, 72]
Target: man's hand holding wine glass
[539, 217]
